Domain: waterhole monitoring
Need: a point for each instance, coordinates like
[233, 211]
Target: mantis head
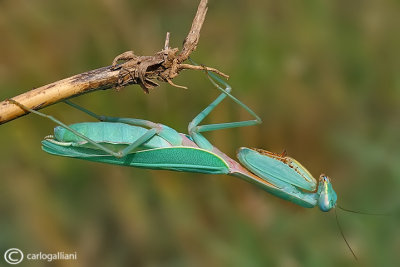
[327, 196]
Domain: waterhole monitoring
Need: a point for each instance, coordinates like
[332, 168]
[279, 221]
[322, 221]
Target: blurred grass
[323, 75]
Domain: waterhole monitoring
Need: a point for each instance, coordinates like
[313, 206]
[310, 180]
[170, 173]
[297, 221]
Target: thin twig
[190, 43]
[103, 78]
[142, 70]
[194, 67]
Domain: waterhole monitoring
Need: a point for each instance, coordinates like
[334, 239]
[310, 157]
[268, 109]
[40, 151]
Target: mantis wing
[181, 158]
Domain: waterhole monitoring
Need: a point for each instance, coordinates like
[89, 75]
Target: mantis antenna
[357, 212]
[344, 238]
[364, 213]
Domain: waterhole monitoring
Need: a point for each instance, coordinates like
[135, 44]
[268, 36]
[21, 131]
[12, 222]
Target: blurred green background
[323, 76]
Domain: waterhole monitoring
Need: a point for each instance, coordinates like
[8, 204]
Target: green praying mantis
[145, 144]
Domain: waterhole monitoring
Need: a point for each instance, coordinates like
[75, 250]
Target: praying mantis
[145, 144]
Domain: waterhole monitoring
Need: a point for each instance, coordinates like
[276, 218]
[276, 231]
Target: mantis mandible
[145, 144]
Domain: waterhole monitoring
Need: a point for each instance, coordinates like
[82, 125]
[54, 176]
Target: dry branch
[163, 66]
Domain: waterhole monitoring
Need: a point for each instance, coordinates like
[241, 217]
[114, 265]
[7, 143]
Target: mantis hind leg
[130, 121]
[99, 146]
[144, 138]
[164, 131]
[195, 129]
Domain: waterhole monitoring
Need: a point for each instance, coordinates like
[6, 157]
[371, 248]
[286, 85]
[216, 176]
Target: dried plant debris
[143, 70]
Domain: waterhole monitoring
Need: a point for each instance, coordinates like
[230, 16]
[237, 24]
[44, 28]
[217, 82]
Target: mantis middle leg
[195, 129]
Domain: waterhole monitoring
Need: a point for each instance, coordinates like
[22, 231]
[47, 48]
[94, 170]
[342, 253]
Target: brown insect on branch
[144, 71]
